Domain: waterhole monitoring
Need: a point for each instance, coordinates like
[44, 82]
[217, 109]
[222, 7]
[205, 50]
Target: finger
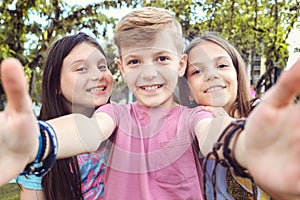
[216, 111]
[286, 88]
[14, 84]
[207, 108]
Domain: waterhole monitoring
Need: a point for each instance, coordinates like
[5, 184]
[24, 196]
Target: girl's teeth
[151, 87]
[214, 89]
[97, 89]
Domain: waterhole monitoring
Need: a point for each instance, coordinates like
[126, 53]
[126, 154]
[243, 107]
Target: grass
[10, 192]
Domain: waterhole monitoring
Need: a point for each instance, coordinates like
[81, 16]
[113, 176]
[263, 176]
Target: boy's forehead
[163, 42]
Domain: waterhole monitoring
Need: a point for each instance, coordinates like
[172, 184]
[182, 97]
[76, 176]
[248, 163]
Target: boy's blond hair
[142, 25]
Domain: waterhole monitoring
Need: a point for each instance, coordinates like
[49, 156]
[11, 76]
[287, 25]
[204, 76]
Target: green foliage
[27, 28]
[254, 27]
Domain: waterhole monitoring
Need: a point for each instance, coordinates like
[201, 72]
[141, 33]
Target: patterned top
[92, 170]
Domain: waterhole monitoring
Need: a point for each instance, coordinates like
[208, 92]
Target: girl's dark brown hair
[63, 181]
[242, 104]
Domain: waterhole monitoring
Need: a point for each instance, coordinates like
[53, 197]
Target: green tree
[255, 27]
[258, 27]
[27, 39]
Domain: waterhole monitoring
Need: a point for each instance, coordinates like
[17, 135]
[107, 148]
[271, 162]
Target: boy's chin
[149, 104]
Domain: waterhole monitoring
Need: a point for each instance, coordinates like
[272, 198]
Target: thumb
[14, 85]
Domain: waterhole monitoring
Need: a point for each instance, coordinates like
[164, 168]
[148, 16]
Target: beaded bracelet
[228, 160]
[234, 128]
[40, 167]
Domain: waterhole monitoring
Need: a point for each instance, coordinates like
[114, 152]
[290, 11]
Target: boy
[152, 154]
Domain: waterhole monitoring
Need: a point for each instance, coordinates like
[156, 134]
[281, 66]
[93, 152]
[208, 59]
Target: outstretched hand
[273, 137]
[19, 129]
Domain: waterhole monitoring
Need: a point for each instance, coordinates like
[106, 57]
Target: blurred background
[266, 33]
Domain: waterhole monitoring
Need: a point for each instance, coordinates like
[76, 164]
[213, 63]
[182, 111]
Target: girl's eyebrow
[77, 61]
[221, 57]
[102, 60]
[199, 63]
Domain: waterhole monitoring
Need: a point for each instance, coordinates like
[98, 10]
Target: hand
[216, 111]
[19, 130]
[273, 137]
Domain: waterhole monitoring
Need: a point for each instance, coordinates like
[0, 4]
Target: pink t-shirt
[153, 155]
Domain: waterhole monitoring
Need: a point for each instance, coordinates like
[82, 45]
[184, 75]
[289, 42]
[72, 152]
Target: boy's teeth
[151, 87]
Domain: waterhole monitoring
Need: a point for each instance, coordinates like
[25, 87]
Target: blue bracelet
[40, 167]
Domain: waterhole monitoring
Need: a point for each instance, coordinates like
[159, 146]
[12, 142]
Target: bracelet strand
[231, 131]
[40, 167]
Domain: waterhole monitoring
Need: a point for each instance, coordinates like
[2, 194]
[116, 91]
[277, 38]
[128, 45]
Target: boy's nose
[149, 72]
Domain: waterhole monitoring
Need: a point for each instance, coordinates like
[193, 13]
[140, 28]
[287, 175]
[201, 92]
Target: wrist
[240, 150]
[231, 136]
[46, 151]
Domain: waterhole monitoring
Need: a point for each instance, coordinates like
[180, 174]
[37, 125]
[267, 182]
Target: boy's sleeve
[112, 109]
[199, 114]
[30, 182]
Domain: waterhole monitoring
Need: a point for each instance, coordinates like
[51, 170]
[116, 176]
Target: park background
[266, 33]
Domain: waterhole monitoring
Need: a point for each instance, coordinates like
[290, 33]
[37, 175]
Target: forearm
[68, 136]
[76, 134]
[224, 138]
[28, 194]
[240, 149]
[209, 130]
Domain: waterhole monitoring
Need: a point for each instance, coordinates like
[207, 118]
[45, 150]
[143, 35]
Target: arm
[79, 134]
[31, 187]
[208, 130]
[272, 137]
[269, 146]
[19, 130]
[28, 194]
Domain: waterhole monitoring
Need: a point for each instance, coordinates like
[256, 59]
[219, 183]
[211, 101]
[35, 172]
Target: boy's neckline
[174, 105]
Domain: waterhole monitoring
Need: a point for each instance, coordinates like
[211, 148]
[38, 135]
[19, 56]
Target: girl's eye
[222, 66]
[162, 59]
[197, 71]
[81, 69]
[102, 67]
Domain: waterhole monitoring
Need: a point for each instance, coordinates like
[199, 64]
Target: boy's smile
[152, 71]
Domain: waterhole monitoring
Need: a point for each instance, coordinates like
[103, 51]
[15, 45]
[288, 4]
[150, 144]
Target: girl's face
[211, 75]
[85, 79]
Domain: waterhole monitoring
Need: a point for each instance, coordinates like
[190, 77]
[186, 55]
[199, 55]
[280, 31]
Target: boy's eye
[102, 67]
[133, 62]
[162, 59]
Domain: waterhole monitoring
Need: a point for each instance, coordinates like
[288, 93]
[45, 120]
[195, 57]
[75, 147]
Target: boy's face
[151, 70]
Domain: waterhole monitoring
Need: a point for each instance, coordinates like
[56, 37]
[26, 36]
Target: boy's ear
[120, 65]
[182, 65]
